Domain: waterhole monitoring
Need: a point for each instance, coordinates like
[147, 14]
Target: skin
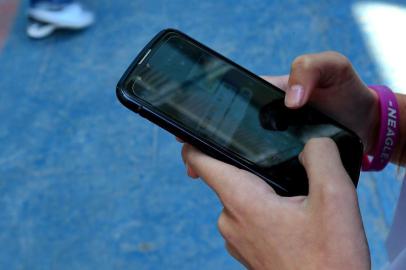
[324, 229]
[265, 231]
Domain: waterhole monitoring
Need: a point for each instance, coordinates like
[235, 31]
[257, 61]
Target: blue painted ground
[86, 184]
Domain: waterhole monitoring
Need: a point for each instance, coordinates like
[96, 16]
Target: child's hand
[265, 231]
[328, 81]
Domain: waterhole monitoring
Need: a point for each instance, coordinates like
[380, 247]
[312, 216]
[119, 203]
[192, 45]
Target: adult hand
[265, 231]
[328, 81]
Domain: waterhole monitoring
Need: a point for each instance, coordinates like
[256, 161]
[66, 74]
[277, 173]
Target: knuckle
[334, 54]
[336, 194]
[331, 192]
[224, 227]
[341, 61]
[302, 62]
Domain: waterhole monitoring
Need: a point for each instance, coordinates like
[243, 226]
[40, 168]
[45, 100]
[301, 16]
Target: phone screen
[226, 105]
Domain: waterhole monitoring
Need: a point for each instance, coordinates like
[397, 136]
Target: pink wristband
[388, 130]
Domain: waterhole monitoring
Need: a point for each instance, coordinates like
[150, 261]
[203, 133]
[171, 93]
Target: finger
[189, 170]
[311, 71]
[226, 228]
[233, 186]
[191, 173]
[237, 255]
[328, 179]
[225, 225]
[279, 81]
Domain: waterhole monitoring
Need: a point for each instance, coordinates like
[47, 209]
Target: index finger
[232, 185]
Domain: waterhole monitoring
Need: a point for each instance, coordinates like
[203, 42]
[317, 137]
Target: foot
[38, 30]
[71, 16]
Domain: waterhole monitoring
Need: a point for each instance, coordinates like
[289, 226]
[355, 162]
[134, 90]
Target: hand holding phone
[265, 231]
[262, 229]
[228, 112]
[331, 85]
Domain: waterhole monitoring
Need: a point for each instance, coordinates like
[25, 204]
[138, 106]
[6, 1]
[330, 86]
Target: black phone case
[281, 186]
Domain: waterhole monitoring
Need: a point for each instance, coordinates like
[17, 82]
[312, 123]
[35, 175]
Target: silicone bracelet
[388, 130]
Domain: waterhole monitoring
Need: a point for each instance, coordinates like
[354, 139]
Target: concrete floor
[86, 184]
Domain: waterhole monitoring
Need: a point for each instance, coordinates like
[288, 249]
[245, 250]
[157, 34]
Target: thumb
[328, 180]
[312, 71]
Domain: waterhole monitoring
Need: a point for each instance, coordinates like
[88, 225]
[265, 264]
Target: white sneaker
[38, 30]
[71, 16]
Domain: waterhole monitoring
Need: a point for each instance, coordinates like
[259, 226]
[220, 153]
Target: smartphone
[228, 112]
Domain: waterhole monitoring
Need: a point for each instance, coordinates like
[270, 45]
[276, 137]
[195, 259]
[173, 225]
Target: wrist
[399, 152]
[389, 130]
[373, 123]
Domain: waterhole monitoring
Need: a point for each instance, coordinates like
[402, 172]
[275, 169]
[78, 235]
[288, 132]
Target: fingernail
[294, 96]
